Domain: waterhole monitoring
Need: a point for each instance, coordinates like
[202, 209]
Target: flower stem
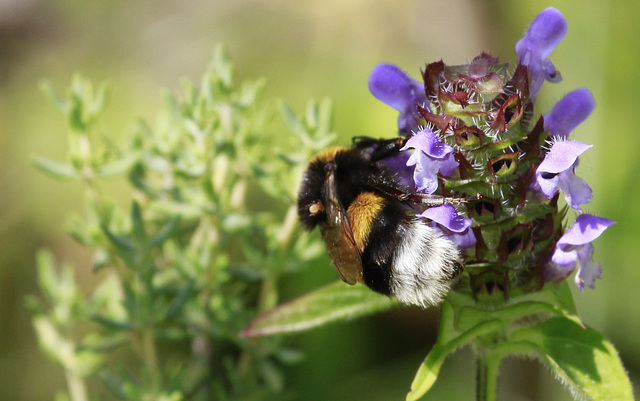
[486, 377]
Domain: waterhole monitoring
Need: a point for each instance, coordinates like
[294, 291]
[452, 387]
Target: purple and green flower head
[474, 129]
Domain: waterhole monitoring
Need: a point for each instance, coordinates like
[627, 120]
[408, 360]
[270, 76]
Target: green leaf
[580, 356]
[119, 167]
[177, 305]
[164, 234]
[333, 302]
[137, 223]
[464, 321]
[53, 168]
[123, 245]
[291, 119]
[47, 88]
[62, 350]
[449, 339]
[111, 324]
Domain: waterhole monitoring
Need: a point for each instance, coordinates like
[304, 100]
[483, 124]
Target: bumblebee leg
[436, 200]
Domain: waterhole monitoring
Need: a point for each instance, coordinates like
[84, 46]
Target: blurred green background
[308, 49]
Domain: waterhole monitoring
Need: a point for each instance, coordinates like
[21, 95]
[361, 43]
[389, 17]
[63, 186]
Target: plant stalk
[77, 387]
[486, 377]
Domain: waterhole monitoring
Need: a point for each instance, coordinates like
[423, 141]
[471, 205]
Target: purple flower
[430, 157]
[453, 225]
[534, 49]
[574, 250]
[568, 113]
[395, 88]
[402, 173]
[557, 172]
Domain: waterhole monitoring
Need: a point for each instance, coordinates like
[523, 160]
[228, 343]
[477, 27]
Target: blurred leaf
[104, 343]
[247, 274]
[47, 88]
[179, 301]
[137, 223]
[580, 356]
[272, 375]
[123, 245]
[114, 384]
[53, 168]
[118, 167]
[46, 274]
[98, 102]
[291, 119]
[106, 299]
[52, 343]
[111, 324]
[333, 302]
[62, 350]
[164, 234]
[59, 288]
[222, 67]
[289, 356]
[100, 259]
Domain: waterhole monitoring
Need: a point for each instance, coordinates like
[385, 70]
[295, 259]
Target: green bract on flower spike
[472, 132]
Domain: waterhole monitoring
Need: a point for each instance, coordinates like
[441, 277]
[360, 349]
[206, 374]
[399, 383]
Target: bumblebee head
[318, 188]
[311, 208]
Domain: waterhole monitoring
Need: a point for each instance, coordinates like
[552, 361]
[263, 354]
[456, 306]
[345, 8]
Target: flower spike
[474, 129]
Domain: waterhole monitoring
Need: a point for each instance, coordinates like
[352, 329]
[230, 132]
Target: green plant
[192, 254]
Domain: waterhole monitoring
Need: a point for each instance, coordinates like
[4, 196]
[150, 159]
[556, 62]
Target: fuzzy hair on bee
[369, 227]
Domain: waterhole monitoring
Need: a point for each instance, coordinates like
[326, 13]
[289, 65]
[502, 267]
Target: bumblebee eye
[315, 208]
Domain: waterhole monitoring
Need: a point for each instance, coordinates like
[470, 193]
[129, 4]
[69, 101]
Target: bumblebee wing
[338, 235]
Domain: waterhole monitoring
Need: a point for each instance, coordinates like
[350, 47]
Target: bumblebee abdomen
[407, 258]
[385, 236]
[424, 265]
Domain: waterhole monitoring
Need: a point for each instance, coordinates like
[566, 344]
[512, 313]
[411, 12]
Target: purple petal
[447, 216]
[395, 88]
[426, 141]
[588, 269]
[566, 258]
[424, 173]
[549, 186]
[586, 228]
[561, 265]
[569, 112]
[574, 188]
[562, 156]
[542, 37]
[465, 240]
[448, 165]
[545, 33]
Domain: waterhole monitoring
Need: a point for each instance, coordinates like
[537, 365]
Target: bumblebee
[368, 224]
